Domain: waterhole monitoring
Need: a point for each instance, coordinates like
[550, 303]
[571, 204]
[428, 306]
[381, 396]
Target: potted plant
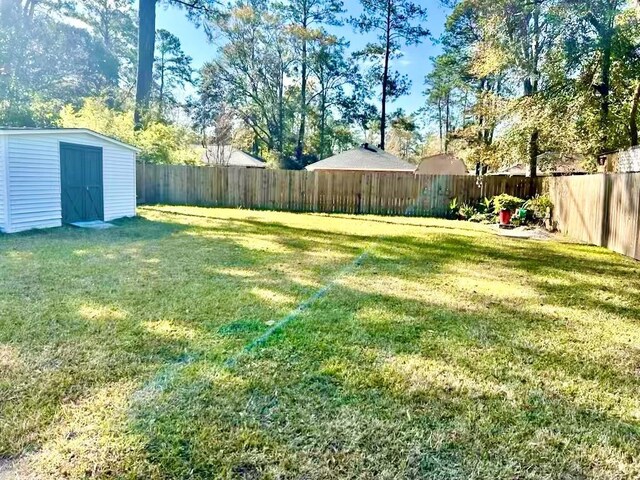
[506, 204]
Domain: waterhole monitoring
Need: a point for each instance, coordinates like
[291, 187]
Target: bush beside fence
[326, 192]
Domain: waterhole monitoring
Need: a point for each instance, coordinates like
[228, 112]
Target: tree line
[279, 84]
[515, 78]
[520, 78]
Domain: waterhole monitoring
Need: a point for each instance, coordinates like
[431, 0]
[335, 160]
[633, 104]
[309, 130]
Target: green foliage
[396, 24]
[46, 60]
[160, 142]
[555, 77]
[453, 208]
[486, 205]
[487, 218]
[404, 137]
[466, 211]
[258, 76]
[514, 80]
[538, 206]
[505, 201]
[166, 143]
[172, 70]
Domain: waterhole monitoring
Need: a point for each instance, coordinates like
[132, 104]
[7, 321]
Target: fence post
[606, 205]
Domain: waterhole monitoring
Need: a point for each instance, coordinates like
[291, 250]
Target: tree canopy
[513, 80]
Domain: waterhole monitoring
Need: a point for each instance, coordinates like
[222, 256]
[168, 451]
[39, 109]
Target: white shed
[53, 176]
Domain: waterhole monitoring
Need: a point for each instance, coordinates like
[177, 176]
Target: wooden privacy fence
[329, 192]
[600, 209]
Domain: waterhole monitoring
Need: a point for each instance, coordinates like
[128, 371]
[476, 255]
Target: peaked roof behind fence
[442, 164]
[229, 156]
[364, 158]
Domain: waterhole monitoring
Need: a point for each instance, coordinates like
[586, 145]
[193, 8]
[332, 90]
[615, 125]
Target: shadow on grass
[491, 400]
[433, 397]
[83, 309]
[365, 385]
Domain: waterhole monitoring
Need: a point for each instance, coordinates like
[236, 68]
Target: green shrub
[483, 218]
[467, 211]
[485, 206]
[506, 202]
[453, 208]
[538, 206]
[159, 142]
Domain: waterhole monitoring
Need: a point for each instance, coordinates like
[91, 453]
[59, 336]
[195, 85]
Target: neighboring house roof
[63, 131]
[230, 157]
[549, 163]
[442, 164]
[364, 158]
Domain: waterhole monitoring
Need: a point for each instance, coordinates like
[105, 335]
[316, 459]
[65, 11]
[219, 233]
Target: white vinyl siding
[119, 177]
[33, 163]
[3, 183]
[34, 182]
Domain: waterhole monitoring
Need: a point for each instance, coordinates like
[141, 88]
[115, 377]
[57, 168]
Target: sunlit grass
[449, 353]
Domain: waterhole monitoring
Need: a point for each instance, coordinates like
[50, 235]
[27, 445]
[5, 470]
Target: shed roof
[364, 158]
[442, 164]
[64, 131]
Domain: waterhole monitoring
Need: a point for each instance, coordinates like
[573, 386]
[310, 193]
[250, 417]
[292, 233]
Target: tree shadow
[363, 384]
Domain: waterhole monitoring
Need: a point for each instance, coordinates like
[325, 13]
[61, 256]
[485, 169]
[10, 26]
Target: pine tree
[396, 23]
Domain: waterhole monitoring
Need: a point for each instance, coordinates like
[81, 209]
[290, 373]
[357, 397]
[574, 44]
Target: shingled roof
[230, 157]
[364, 158]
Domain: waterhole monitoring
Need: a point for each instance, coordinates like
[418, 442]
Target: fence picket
[344, 192]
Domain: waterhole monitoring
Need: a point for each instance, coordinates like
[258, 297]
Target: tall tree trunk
[530, 89]
[303, 104]
[534, 151]
[281, 118]
[383, 114]
[440, 125]
[146, 48]
[482, 134]
[447, 123]
[633, 117]
[605, 100]
[385, 78]
[323, 124]
[161, 88]
[303, 91]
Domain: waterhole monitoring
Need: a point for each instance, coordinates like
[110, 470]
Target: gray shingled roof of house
[230, 157]
[363, 159]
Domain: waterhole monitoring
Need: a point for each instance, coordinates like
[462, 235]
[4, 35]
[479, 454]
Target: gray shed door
[81, 182]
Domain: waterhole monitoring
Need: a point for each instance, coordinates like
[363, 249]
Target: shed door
[81, 182]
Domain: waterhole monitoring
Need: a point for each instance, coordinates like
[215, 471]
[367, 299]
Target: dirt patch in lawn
[8, 469]
[526, 233]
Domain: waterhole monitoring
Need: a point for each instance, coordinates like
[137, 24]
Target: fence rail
[334, 192]
[600, 209]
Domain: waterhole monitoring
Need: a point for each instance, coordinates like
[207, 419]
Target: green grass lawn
[448, 352]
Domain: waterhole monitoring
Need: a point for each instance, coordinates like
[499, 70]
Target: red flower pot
[505, 217]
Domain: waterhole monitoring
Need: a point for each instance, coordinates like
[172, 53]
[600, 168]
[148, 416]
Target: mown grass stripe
[301, 308]
[167, 375]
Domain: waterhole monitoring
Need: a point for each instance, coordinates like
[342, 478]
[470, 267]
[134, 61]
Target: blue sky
[416, 62]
